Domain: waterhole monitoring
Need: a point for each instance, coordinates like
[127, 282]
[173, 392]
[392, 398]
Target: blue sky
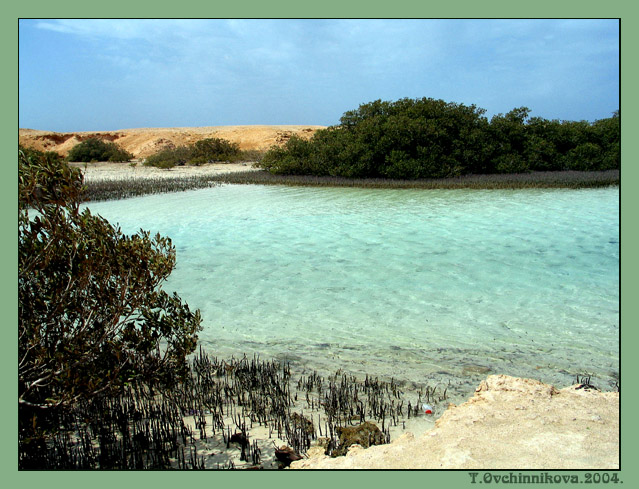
[85, 75]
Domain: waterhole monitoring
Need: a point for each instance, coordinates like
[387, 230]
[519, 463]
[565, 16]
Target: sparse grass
[132, 187]
[565, 179]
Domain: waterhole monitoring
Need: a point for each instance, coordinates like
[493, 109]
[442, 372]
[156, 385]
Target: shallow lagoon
[426, 286]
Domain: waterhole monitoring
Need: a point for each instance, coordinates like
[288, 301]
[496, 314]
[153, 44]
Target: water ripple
[522, 282]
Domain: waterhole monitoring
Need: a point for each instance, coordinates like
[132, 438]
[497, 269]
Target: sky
[91, 75]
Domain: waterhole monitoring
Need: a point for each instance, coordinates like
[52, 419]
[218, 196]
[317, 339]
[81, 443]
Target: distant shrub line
[204, 151]
[133, 187]
[427, 138]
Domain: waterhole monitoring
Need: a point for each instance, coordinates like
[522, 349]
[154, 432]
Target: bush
[30, 154]
[215, 149]
[585, 157]
[170, 157]
[94, 149]
[427, 138]
[91, 314]
[293, 159]
[389, 139]
[612, 157]
[203, 151]
[510, 163]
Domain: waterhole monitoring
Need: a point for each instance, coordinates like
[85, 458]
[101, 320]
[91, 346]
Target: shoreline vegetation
[250, 413]
[125, 184]
[231, 413]
[426, 138]
[408, 143]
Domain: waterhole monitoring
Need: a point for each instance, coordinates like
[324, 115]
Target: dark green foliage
[94, 149]
[215, 149]
[507, 142]
[170, 157]
[91, 313]
[586, 156]
[427, 138]
[293, 159]
[407, 139]
[204, 151]
[30, 154]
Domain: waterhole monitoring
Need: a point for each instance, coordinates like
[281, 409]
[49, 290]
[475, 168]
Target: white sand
[117, 171]
[509, 423]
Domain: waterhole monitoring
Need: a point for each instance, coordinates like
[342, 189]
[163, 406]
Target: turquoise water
[425, 286]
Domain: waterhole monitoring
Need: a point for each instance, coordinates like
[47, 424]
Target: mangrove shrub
[170, 157]
[215, 149]
[92, 315]
[428, 138]
[204, 151]
[95, 149]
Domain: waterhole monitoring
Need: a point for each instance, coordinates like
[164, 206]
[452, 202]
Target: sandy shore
[120, 171]
[215, 453]
[509, 423]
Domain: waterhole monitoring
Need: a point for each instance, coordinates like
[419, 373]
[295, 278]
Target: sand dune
[143, 142]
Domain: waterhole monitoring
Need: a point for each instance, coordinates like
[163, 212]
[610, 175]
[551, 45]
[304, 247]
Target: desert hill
[146, 141]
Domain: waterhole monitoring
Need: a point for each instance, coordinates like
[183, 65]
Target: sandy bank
[143, 142]
[123, 171]
[509, 423]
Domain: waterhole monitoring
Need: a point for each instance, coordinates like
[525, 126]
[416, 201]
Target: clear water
[436, 286]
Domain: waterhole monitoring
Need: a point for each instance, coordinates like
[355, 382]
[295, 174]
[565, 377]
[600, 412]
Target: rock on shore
[509, 423]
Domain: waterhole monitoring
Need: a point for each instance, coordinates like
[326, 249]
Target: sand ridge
[142, 142]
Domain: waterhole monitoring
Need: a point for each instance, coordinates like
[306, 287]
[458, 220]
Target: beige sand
[120, 171]
[146, 141]
[509, 423]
